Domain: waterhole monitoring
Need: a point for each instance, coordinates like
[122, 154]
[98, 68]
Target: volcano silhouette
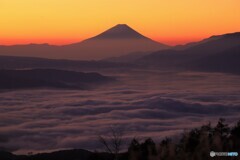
[116, 41]
[120, 31]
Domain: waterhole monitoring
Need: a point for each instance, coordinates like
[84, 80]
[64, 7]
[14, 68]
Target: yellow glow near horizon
[66, 21]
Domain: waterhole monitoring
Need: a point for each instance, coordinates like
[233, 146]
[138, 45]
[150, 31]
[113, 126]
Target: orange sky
[65, 21]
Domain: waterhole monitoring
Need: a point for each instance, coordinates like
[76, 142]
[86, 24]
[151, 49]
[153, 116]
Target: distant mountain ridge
[116, 41]
[196, 55]
[13, 62]
[227, 61]
[216, 54]
[50, 78]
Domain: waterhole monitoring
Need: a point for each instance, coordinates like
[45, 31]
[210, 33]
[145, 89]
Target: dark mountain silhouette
[39, 78]
[13, 62]
[116, 41]
[225, 61]
[216, 49]
[217, 53]
[31, 50]
[216, 44]
[192, 44]
[120, 31]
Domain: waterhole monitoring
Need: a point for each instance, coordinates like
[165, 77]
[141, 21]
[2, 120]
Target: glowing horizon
[173, 22]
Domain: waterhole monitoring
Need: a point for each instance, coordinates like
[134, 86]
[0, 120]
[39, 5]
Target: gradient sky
[65, 21]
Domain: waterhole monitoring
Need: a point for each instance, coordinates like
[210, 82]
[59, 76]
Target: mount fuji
[116, 41]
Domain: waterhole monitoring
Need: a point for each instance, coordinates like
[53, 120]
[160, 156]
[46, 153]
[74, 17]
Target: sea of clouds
[141, 104]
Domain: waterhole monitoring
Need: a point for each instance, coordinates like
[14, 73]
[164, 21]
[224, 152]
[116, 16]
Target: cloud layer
[142, 105]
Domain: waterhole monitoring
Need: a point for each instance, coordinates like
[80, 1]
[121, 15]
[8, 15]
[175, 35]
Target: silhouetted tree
[113, 142]
[235, 137]
[134, 150]
[222, 128]
[148, 148]
[236, 130]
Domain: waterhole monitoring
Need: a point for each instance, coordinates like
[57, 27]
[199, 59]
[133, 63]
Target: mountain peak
[122, 26]
[120, 31]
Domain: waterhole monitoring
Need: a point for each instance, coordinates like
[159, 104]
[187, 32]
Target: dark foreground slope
[77, 154]
[195, 144]
[42, 78]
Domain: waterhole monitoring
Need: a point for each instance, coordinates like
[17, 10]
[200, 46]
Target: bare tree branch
[105, 143]
[113, 142]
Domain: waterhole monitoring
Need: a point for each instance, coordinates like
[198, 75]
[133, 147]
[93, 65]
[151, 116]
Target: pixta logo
[223, 154]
